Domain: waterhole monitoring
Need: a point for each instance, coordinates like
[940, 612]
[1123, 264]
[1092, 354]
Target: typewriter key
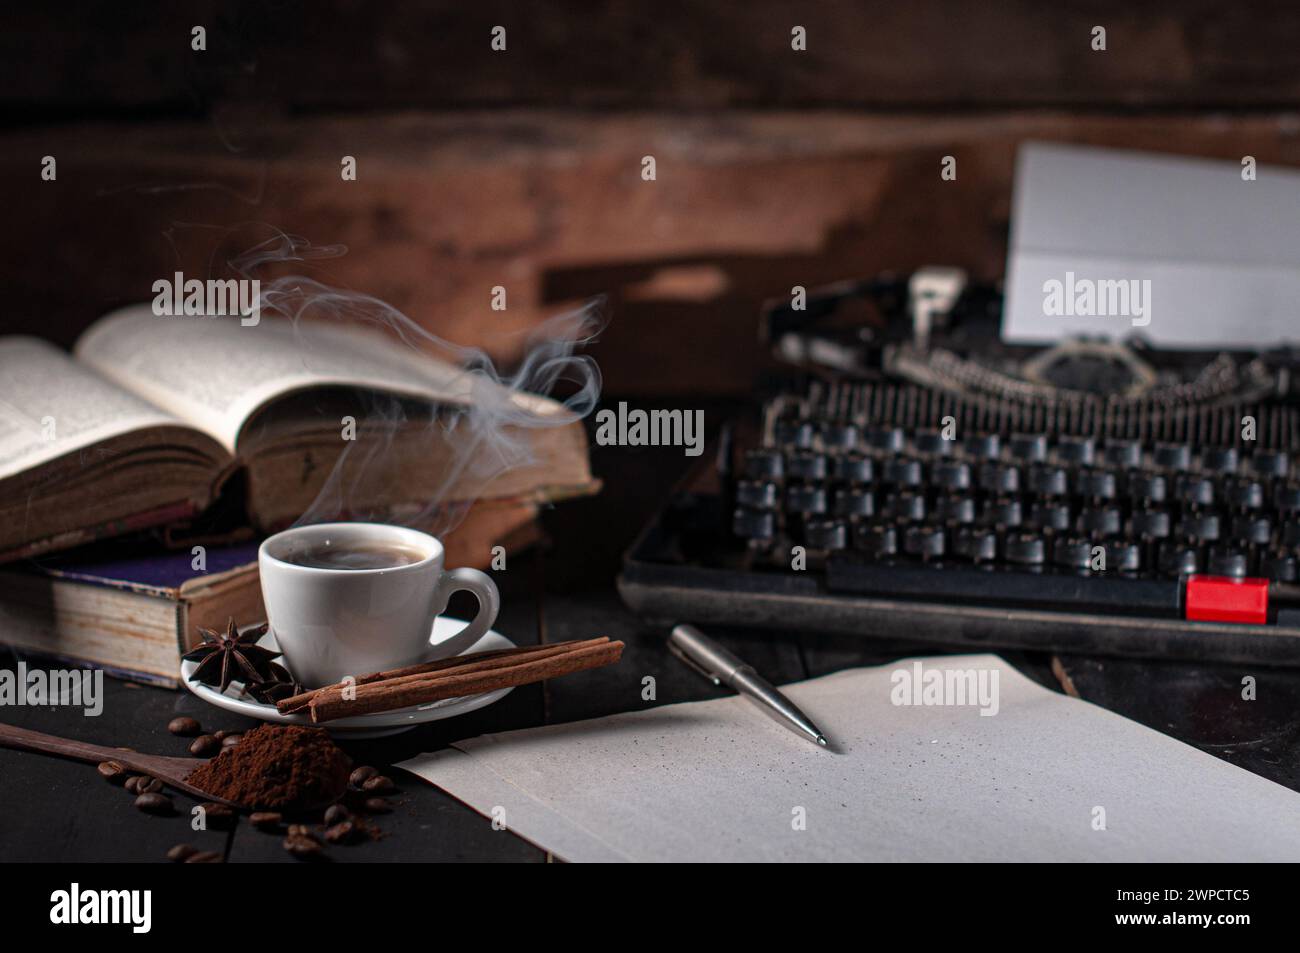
[983, 446]
[1151, 524]
[1220, 459]
[755, 525]
[805, 499]
[928, 542]
[931, 442]
[1096, 484]
[794, 433]
[889, 439]
[980, 545]
[1270, 463]
[1228, 562]
[953, 475]
[855, 501]
[1053, 516]
[876, 539]
[826, 534]
[1252, 530]
[855, 468]
[1026, 549]
[1049, 481]
[1124, 453]
[1203, 527]
[1031, 448]
[955, 509]
[1122, 556]
[1076, 451]
[1173, 456]
[1147, 487]
[806, 465]
[1072, 552]
[764, 465]
[759, 496]
[1279, 567]
[1246, 494]
[1003, 512]
[999, 478]
[1194, 490]
[1100, 521]
[1178, 559]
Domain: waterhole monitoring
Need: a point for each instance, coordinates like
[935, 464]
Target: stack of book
[158, 434]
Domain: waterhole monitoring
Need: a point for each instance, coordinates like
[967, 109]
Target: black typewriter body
[913, 477]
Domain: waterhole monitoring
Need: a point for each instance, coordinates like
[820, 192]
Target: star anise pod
[270, 692]
[225, 656]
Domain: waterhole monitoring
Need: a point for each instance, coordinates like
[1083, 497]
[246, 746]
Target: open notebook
[1045, 778]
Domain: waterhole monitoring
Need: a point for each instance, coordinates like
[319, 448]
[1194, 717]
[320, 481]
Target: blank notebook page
[1048, 777]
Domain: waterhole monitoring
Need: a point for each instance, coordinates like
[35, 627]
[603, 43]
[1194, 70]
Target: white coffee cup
[332, 623]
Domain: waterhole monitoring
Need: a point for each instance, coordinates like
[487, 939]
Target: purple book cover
[155, 573]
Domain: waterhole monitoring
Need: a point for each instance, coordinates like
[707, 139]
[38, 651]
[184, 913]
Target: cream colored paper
[719, 781]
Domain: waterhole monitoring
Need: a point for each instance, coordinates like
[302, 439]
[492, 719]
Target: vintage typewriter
[913, 477]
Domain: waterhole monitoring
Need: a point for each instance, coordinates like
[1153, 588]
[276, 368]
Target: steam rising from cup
[480, 437]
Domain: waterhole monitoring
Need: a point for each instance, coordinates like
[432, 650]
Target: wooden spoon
[170, 771]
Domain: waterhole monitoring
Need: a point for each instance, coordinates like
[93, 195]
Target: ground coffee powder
[277, 767]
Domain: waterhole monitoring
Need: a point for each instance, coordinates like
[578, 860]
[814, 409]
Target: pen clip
[691, 663]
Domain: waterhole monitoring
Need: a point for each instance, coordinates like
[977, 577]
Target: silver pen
[722, 668]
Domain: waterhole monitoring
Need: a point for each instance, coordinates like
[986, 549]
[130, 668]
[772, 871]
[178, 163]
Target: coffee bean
[378, 805]
[205, 746]
[217, 816]
[154, 803]
[112, 771]
[147, 785]
[337, 814]
[341, 832]
[220, 735]
[230, 741]
[302, 847]
[181, 853]
[184, 725]
[204, 857]
[132, 784]
[265, 820]
[361, 775]
[379, 784]
[300, 830]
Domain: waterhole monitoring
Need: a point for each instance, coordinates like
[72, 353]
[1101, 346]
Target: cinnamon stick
[390, 695]
[475, 662]
[455, 660]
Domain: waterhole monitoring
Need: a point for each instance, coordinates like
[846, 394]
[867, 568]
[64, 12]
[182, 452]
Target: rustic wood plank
[552, 207]
[674, 54]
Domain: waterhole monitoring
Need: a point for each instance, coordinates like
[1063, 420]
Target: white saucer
[360, 726]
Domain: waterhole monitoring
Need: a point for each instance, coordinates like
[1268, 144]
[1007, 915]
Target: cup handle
[489, 603]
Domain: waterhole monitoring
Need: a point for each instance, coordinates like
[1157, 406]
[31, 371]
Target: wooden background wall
[522, 168]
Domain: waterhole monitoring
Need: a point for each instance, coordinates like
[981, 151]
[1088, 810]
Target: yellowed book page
[51, 405]
[215, 373]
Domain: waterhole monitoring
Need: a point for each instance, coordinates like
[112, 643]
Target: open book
[153, 416]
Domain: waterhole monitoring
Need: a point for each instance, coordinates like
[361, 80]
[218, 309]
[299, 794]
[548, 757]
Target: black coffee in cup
[352, 555]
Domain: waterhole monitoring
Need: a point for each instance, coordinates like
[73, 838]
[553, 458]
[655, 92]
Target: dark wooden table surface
[55, 810]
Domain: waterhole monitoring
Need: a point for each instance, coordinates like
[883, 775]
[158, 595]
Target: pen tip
[821, 740]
